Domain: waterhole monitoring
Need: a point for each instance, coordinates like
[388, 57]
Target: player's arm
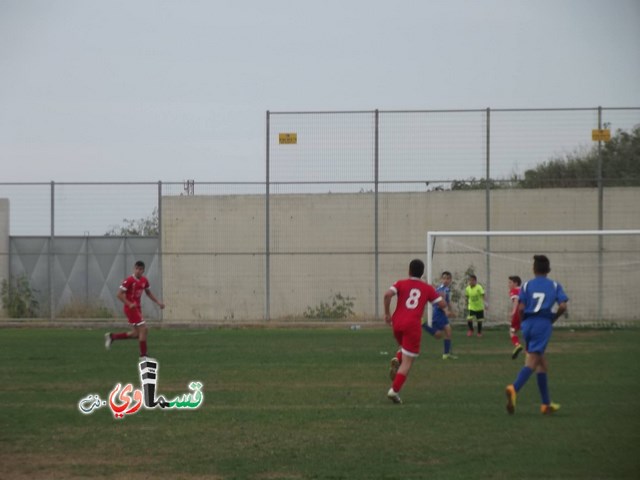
[122, 296]
[388, 295]
[449, 311]
[444, 306]
[514, 305]
[562, 307]
[153, 297]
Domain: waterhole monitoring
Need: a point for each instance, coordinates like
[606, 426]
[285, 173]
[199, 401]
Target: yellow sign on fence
[601, 135]
[288, 138]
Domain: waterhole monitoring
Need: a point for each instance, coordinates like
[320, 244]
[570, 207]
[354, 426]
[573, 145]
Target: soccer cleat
[107, 340]
[549, 409]
[449, 356]
[511, 399]
[393, 370]
[479, 335]
[516, 351]
[393, 396]
[469, 333]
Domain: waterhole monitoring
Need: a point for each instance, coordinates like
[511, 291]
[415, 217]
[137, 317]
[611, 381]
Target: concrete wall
[214, 246]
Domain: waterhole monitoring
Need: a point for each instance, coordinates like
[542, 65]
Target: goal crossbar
[601, 234]
[514, 233]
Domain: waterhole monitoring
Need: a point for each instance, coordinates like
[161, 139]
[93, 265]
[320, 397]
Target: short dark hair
[140, 263]
[541, 264]
[416, 268]
[473, 276]
[516, 279]
[447, 273]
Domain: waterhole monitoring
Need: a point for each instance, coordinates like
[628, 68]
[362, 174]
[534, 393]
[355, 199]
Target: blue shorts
[439, 322]
[537, 333]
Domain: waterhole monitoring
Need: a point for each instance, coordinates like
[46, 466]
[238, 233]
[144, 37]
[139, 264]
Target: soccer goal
[599, 269]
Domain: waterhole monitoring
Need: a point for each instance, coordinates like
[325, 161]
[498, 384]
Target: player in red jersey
[413, 295]
[130, 294]
[514, 293]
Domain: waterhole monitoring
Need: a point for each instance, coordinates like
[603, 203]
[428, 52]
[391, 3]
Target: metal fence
[366, 160]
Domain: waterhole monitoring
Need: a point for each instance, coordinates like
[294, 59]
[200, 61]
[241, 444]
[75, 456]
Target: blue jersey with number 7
[539, 295]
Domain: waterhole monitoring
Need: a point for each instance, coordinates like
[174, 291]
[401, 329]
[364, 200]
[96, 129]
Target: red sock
[143, 348]
[515, 340]
[398, 382]
[399, 355]
[119, 336]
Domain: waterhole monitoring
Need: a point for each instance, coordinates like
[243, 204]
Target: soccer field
[311, 404]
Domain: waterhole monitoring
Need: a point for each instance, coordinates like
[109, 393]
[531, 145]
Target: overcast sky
[141, 90]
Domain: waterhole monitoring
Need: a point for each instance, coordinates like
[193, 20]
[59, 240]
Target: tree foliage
[620, 167]
[144, 227]
[481, 184]
[19, 298]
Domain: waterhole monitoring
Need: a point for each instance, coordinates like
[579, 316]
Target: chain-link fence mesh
[346, 203]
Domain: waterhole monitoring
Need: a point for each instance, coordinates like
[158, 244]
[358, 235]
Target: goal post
[599, 269]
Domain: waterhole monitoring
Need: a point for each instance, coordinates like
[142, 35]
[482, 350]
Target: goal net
[599, 270]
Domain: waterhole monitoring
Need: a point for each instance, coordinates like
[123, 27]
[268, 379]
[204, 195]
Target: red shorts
[515, 321]
[134, 315]
[408, 336]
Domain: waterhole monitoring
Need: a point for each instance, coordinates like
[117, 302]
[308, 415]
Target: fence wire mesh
[342, 210]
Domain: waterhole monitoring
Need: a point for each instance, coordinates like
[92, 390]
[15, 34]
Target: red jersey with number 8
[413, 295]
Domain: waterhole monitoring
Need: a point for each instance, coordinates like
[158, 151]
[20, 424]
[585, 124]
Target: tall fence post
[159, 212]
[376, 247]
[52, 234]
[267, 266]
[488, 199]
[600, 217]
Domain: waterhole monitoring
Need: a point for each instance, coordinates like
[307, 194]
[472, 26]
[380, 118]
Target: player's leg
[470, 318]
[480, 318]
[430, 329]
[133, 318]
[543, 387]
[122, 336]
[515, 341]
[409, 339]
[401, 377]
[141, 331]
[521, 379]
[547, 407]
[393, 367]
[448, 352]
[397, 359]
[531, 362]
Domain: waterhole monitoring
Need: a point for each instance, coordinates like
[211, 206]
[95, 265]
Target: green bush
[339, 307]
[18, 298]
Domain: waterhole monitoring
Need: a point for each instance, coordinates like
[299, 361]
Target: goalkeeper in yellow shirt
[474, 293]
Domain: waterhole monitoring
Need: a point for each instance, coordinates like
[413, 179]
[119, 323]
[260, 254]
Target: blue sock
[447, 346]
[544, 388]
[522, 378]
[427, 328]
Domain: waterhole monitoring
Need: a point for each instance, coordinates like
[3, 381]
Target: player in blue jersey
[439, 321]
[537, 298]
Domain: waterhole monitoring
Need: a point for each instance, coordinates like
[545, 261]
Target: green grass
[305, 404]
